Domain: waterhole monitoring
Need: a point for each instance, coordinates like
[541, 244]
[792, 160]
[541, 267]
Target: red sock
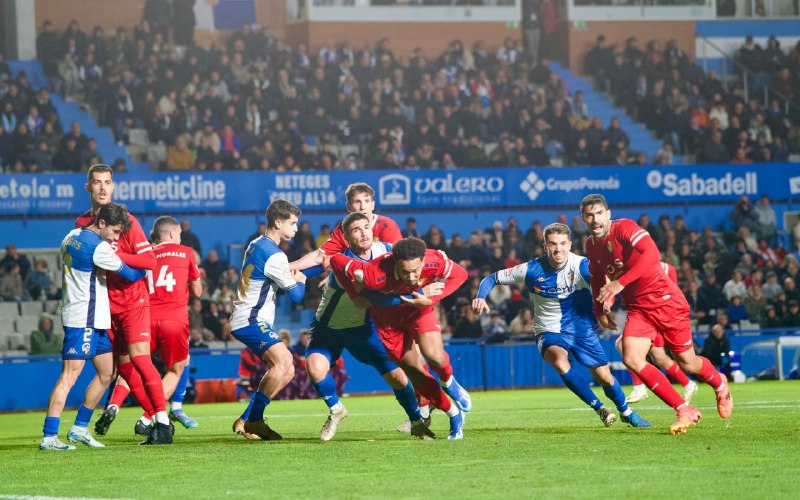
[118, 395]
[709, 374]
[134, 380]
[427, 386]
[636, 379]
[659, 384]
[445, 371]
[677, 374]
[152, 381]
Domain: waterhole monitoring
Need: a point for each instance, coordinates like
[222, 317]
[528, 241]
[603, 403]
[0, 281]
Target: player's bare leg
[634, 356]
[278, 376]
[662, 360]
[70, 370]
[430, 343]
[705, 371]
[179, 373]
[639, 391]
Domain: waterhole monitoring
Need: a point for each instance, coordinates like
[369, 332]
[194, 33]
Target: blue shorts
[363, 343]
[259, 337]
[84, 343]
[585, 348]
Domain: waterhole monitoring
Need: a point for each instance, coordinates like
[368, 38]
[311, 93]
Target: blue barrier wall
[476, 366]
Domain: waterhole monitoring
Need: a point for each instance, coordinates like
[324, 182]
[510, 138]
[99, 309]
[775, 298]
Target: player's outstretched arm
[309, 260]
[105, 258]
[455, 276]
[145, 260]
[479, 304]
[293, 282]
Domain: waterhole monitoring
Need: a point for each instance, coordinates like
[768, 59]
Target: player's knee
[633, 362]
[317, 367]
[396, 378]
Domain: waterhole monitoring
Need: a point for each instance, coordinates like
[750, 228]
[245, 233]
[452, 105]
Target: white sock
[425, 411]
[112, 406]
[638, 387]
[79, 430]
[338, 407]
[453, 411]
[627, 412]
[449, 382]
[146, 421]
[176, 407]
[162, 418]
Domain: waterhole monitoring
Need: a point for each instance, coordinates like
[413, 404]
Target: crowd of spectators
[697, 113]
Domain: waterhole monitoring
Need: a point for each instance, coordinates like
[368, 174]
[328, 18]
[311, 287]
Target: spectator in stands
[216, 322]
[179, 156]
[734, 287]
[714, 151]
[737, 311]
[69, 83]
[196, 320]
[522, 324]
[709, 300]
[12, 256]
[743, 215]
[223, 297]
[68, 157]
[792, 317]
[772, 288]
[214, 269]
[755, 303]
[38, 282]
[44, 340]
[468, 324]
[771, 318]
[767, 221]
[11, 284]
[717, 348]
[188, 238]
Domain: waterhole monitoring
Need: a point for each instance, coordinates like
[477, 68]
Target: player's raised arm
[144, 258]
[293, 282]
[105, 258]
[508, 276]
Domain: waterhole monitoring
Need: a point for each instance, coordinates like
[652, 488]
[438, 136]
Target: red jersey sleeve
[672, 273]
[194, 272]
[338, 264]
[389, 230]
[449, 270]
[336, 243]
[644, 255]
[597, 281]
[143, 256]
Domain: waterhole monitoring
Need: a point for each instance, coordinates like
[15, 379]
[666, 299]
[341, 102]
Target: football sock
[162, 418]
[246, 413]
[453, 411]
[659, 384]
[118, 395]
[578, 385]
[425, 411]
[327, 390]
[408, 401]
[176, 407]
[422, 400]
[134, 380]
[710, 375]
[677, 374]
[260, 402]
[152, 381]
[180, 389]
[444, 372]
[635, 378]
[83, 418]
[431, 389]
[145, 420]
[615, 394]
[51, 426]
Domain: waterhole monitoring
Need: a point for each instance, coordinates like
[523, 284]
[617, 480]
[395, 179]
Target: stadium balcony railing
[402, 11]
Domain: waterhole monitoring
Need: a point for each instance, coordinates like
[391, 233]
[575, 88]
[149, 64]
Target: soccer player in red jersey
[661, 359]
[408, 267]
[623, 259]
[130, 310]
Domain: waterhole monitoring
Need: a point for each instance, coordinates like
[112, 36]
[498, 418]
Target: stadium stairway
[69, 112]
[600, 105]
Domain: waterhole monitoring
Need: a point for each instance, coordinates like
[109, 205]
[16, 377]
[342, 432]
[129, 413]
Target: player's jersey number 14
[165, 279]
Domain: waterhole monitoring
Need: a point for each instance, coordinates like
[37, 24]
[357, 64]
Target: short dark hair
[280, 210]
[557, 228]
[358, 188]
[113, 214]
[98, 167]
[351, 219]
[161, 226]
[409, 249]
[594, 199]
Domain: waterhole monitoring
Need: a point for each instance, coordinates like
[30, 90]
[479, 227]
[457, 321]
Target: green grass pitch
[518, 444]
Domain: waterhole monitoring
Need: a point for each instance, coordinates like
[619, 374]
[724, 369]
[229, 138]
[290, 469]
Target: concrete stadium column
[19, 25]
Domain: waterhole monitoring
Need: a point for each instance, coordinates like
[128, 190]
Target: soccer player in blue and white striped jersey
[86, 254]
[564, 320]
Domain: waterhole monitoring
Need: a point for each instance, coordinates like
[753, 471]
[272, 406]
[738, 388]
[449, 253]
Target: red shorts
[130, 327]
[170, 340]
[670, 321]
[397, 331]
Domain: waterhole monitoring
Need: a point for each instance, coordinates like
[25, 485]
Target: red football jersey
[122, 294]
[379, 274]
[168, 283]
[670, 271]
[629, 255]
[384, 229]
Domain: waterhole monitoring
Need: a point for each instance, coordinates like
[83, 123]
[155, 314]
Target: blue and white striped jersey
[265, 270]
[562, 298]
[85, 258]
[336, 310]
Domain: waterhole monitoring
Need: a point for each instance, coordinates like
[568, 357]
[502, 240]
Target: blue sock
[615, 394]
[84, 417]
[259, 403]
[51, 426]
[180, 389]
[246, 413]
[327, 390]
[408, 400]
[580, 387]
